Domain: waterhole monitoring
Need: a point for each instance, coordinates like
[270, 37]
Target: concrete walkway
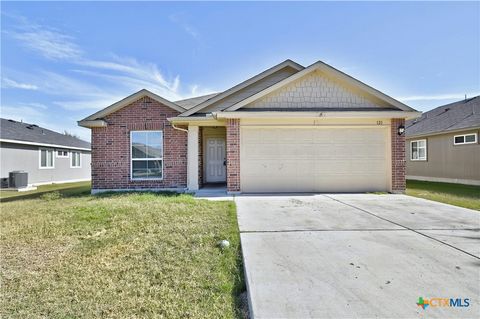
[358, 256]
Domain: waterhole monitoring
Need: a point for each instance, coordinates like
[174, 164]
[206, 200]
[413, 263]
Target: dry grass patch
[119, 256]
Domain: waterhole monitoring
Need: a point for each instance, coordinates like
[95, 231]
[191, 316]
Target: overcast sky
[62, 61]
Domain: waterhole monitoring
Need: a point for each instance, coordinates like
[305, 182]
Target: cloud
[453, 96]
[9, 83]
[86, 104]
[31, 114]
[131, 72]
[48, 42]
[21, 113]
[122, 72]
[180, 19]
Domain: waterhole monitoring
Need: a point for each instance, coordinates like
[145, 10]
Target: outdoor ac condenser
[18, 179]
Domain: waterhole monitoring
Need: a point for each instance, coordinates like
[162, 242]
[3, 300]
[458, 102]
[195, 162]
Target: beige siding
[250, 90]
[317, 90]
[445, 160]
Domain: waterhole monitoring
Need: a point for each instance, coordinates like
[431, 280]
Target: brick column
[398, 157]
[233, 155]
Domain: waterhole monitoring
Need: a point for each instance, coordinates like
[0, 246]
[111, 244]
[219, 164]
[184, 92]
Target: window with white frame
[418, 150]
[75, 160]
[465, 139]
[62, 153]
[46, 158]
[146, 151]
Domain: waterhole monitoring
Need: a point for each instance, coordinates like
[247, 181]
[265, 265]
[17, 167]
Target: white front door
[215, 160]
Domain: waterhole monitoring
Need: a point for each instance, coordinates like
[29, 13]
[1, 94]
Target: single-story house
[288, 129]
[47, 156]
[442, 145]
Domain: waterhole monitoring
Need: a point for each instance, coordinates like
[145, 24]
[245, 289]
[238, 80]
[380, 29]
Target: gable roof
[24, 133]
[193, 101]
[455, 116]
[320, 66]
[128, 100]
[244, 84]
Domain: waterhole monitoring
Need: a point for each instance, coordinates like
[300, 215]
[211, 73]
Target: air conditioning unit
[18, 179]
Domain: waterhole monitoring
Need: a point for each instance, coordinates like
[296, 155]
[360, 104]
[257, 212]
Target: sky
[62, 61]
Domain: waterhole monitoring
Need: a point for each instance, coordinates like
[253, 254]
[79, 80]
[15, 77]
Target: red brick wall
[233, 155]
[111, 147]
[398, 157]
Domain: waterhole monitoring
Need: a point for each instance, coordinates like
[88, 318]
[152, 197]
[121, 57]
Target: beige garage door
[285, 159]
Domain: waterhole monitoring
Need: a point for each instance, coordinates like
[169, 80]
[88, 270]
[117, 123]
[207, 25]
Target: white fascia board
[457, 130]
[329, 70]
[243, 85]
[130, 99]
[92, 123]
[326, 114]
[44, 145]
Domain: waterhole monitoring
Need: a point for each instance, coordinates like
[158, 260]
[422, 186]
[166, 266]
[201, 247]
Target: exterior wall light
[401, 130]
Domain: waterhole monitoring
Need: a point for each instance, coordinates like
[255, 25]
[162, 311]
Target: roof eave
[130, 99]
[242, 85]
[321, 66]
[407, 136]
[3, 140]
[316, 114]
[92, 123]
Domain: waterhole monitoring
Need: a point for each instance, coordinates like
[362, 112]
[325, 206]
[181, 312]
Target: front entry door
[215, 160]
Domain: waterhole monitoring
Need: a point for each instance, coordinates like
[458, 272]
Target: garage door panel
[313, 159]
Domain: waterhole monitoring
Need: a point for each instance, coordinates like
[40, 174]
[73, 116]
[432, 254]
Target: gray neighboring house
[48, 157]
[443, 146]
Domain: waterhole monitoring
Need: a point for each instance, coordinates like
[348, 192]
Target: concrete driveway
[358, 256]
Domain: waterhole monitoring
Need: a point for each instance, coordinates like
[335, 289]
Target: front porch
[213, 158]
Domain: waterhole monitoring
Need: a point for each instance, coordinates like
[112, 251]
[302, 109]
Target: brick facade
[111, 147]
[233, 154]
[398, 157]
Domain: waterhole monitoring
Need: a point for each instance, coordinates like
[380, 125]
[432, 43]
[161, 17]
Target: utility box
[18, 179]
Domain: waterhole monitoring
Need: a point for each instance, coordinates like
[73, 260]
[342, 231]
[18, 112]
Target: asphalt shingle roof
[453, 116]
[13, 130]
[191, 102]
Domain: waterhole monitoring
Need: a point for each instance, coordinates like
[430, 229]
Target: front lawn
[119, 256]
[64, 189]
[467, 196]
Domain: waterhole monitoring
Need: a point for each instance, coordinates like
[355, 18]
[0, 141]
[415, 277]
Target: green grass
[119, 256]
[64, 189]
[467, 196]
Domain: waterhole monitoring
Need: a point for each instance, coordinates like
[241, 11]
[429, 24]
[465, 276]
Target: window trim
[426, 151]
[465, 138]
[40, 158]
[143, 159]
[62, 156]
[79, 158]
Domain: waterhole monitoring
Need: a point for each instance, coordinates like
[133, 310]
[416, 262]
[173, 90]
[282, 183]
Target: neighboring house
[443, 145]
[288, 129]
[47, 156]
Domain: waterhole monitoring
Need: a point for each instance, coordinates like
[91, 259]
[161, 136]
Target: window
[62, 153]
[418, 150]
[465, 139]
[75, 160]
[46, 158]
[146, 151]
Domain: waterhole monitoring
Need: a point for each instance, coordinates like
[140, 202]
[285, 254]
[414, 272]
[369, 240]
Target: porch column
[233, 155]
[398, 157]
[192, 158]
